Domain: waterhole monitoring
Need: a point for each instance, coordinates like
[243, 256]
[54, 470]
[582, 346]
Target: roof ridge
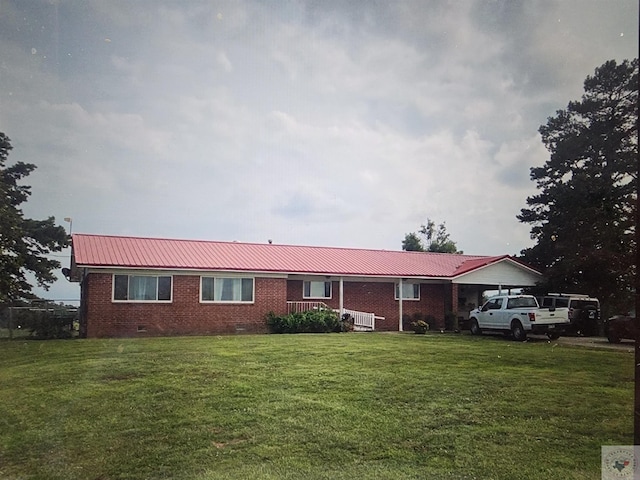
[233, 242]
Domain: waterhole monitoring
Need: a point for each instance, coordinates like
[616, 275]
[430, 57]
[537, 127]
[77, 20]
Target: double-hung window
[142, 288]
[410, 291]
[313, 289]
[226, 289]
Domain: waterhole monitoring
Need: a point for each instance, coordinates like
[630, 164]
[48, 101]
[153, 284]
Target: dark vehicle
[621, 327]
[584, 311]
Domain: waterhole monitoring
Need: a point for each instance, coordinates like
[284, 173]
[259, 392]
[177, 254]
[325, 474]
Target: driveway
[589, 342]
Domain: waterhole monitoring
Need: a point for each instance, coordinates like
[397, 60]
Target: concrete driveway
[588, 342]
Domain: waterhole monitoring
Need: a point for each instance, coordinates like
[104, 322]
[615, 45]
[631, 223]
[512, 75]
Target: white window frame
[128, 300]
[404, 286]
[312, 297]
[222, 277]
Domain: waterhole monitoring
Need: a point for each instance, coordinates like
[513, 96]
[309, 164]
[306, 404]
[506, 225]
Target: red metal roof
[158, 253]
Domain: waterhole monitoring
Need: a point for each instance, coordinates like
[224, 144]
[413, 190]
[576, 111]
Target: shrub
[420, 326]
[310, 321]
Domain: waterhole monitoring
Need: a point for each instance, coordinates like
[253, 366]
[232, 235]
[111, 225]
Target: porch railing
[296, 307]
[361, 320]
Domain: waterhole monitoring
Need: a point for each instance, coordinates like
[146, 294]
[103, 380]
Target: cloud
[324, 123]
[224, 62]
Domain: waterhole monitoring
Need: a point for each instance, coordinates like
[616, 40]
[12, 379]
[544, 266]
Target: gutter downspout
[341, 297]
[400, 304]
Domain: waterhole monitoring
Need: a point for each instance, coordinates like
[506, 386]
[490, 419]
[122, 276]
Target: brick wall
[454, 298]
[185, 315]
[379, 298]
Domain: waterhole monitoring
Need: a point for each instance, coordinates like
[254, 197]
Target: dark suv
[584, 311]
[621, 326]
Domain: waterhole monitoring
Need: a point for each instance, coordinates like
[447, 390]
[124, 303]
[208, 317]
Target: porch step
[360, 328]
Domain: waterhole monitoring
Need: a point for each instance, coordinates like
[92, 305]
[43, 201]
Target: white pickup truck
[518, 314]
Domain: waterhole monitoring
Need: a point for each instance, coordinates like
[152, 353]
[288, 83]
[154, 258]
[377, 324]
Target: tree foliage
[430, 239]
[24, 242]
[583, 218]
[412, 243]
[438, 240]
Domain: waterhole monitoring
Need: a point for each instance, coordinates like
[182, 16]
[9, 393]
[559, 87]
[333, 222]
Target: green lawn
[365, 406]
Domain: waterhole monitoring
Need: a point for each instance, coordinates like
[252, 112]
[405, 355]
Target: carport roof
[169, 254]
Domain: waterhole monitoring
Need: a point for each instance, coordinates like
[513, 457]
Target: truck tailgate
[545, 316]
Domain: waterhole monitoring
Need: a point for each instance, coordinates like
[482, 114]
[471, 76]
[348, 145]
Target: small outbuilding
[133, 286]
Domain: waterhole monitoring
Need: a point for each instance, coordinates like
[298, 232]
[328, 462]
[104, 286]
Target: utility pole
[636, 403]
[10, 323]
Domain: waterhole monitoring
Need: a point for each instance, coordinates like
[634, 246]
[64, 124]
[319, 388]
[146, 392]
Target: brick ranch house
[150, 286]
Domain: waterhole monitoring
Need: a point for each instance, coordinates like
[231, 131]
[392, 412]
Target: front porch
[362, 321]
[372, 302]
[387, 303]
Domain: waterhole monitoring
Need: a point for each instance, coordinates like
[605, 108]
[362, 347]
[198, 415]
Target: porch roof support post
[341, 297]
[400, 304]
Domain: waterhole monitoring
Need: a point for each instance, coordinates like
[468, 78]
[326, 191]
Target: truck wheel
[518, 331]
[612, 337]
[474, 327]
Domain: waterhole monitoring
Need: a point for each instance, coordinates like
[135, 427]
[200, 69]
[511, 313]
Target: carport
[467, 288]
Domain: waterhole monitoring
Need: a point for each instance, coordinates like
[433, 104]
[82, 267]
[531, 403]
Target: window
[521, 302]
[142, 288]
[222, 289]
[410, 291]
[493, 304]
[547, 302]
[584, 304]
[317, 289]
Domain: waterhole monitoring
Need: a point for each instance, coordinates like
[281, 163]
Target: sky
[322, 122]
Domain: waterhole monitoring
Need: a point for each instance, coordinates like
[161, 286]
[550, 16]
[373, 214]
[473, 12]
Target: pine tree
[583, 218]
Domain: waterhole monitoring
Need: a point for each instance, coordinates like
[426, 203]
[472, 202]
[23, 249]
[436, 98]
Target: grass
[333, 406]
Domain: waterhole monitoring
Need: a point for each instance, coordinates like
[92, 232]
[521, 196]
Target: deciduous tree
[24, 242]
[412, 243]
[438, 240]
[432, 240]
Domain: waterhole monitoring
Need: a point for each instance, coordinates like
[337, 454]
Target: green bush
[421, 323]
[310, 321]
[420, 326]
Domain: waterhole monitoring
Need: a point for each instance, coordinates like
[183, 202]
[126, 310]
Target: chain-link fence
[38, 320]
